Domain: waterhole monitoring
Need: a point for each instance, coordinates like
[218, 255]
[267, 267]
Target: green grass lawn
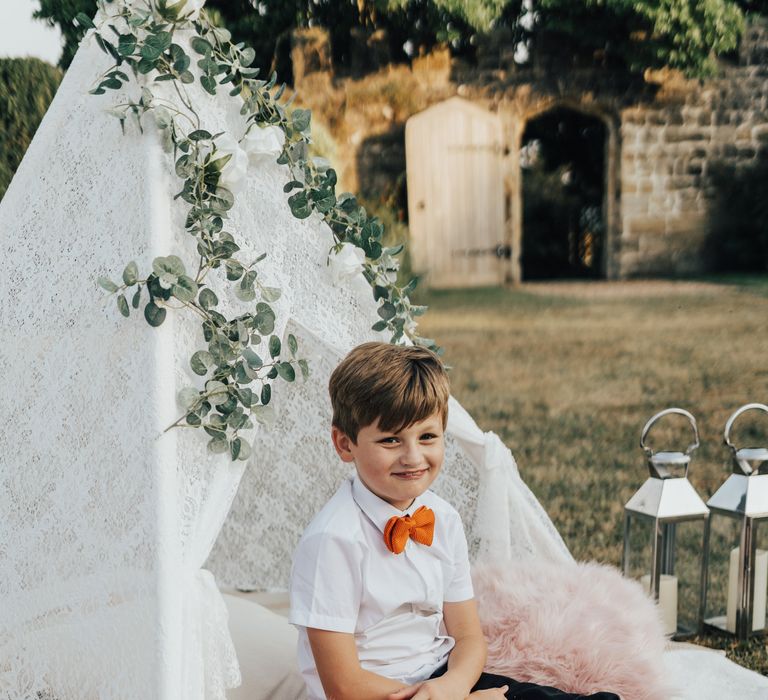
[568, 373]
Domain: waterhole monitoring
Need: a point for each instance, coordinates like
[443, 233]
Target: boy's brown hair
[393, 384]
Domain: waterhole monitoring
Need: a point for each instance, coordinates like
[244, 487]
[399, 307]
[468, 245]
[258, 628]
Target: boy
[380, 588]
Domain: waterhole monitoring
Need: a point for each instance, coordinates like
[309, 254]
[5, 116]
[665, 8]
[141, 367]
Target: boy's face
[397, 467]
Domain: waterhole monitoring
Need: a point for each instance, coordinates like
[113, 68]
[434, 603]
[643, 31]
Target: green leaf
[379, 326]
[136, 298]
[247, 56]
[218, 445]
[266, 394]
[126, 45]
[122, 304]
[304, 368]
[380, 292]
[300, 119]
[274, 346]
[154, 314]
[293, 346]
[207, 299]
[265, 318]
[171, 264]
[234, 270]
[200, 45]
[193, 419]
[387, 310]
[245, 293]
[108, 284]
[270, 293]
[208, 83]
[253, 360]
[217, 392]
[234, 448]
[299, 204]
[200, 362]
[185, 289]
[200, 135]
[286, 371]
[188, 397]
[246, 397]
[131, 273]
[84, 20]
[245, 450]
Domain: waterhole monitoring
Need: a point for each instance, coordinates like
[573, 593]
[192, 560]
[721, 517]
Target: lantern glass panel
[723, 591]
[681, 567]
[680, 560]
[640, 550]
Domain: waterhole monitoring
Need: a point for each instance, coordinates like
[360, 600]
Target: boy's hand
[436, 690]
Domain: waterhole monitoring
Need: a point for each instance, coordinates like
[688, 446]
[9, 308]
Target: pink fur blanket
[582, 628]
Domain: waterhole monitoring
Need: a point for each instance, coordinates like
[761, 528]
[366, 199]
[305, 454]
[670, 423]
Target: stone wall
[666, 137]
[670, 150]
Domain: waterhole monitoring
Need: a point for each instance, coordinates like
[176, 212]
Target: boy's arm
[340, 671]
[467, 658]
[465, 662]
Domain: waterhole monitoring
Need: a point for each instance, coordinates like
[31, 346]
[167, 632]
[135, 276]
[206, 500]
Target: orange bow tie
[420, 527]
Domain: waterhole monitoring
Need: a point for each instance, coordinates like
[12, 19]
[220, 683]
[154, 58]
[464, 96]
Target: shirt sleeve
[459, 587]
[326, 583]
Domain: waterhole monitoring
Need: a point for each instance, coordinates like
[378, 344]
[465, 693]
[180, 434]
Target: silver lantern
[736, 586]
[666, 529]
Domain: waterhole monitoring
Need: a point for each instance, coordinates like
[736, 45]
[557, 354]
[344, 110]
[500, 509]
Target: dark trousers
[519, 690]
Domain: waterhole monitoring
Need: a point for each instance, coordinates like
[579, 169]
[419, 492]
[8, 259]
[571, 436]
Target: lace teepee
[106, 519]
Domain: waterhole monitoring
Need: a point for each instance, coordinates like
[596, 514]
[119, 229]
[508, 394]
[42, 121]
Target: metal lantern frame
[743, 496]
[667, 499]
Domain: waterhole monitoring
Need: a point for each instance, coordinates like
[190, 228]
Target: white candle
[667, 600]
[761, 589]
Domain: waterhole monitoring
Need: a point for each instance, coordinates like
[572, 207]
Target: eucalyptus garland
[148, 38]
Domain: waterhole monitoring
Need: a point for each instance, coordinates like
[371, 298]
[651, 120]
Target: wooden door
[454, 159]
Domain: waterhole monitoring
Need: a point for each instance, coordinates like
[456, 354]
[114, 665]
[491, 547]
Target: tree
[27, 86]
[636, 34]
[683, 34]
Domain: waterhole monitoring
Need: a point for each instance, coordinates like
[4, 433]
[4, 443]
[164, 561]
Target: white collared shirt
[344, 579]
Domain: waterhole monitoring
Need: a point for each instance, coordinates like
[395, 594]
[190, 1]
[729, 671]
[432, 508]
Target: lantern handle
[734, 416]
[679, 411]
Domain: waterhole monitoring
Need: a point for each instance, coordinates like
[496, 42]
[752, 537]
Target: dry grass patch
[567, 375]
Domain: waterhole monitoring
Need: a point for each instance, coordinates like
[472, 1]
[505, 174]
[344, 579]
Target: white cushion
[266, 649]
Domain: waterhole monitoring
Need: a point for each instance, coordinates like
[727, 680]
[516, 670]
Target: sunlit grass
[567, 374]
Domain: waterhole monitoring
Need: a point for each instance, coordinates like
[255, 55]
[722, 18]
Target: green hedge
[27, 86]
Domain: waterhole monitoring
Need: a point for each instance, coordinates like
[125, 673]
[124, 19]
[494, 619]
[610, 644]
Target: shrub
[27, 86]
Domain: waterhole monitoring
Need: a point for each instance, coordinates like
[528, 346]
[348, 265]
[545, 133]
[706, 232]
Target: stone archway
[517, 123]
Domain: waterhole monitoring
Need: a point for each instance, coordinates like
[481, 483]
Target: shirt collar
[377, 509]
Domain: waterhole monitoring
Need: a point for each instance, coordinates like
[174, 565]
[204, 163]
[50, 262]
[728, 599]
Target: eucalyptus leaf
[131, 273]
[266, 394]
[122, 305]
[108, 284]
[200, 362]
[136, 298]
[293, 345]
[304, 368]
[286, 371]
[218, 445]
[154, 314]
[207, 298]
[217, 392]
[274, 346]
[270, 293]
[245, 450]
[185, 289]
[188, 397]
[387, 311]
